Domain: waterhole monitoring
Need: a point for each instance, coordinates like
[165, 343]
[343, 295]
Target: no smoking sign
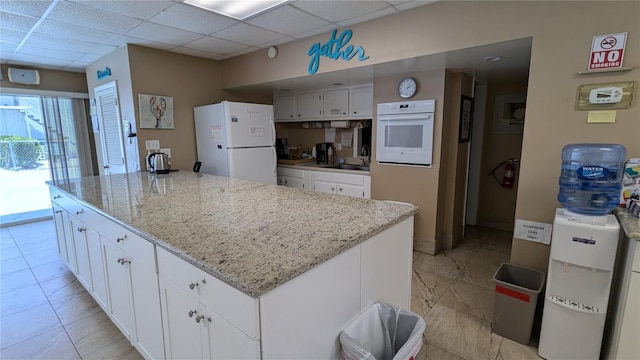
[607, 51]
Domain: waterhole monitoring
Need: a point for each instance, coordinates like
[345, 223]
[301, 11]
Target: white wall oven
[405, 132]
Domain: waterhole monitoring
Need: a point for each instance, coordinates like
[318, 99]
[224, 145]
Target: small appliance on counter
[323, 150]
[159, 163]
[281, 144]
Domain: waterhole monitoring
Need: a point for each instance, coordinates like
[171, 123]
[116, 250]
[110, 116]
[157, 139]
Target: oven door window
[403, 136]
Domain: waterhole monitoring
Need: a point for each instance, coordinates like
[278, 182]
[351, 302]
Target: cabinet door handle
[122, 261]
[120, 238]
[192, 312]
[80, 229]
[193, 285]
[199, 318]
[339, 189]
[58, 211]
[57, 197]
[79, 211]
[333, 189]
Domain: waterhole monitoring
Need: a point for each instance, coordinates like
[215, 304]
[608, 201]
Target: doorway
[42, 138]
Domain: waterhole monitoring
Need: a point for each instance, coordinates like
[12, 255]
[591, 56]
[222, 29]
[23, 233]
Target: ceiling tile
[69, 31]
[247, 34]
[77, 14]
[24, 7]
[317, 31]
[164, 34]
[50, 53]
[335, 10]
[77, 66]
[16, 22]
[123, 39]
[287, 20]
[374, 15]
[35, 59]
[194, 52]
[131, 8]
[193, 19]
[245, 51]
[51, 42]
[12, 35]
[412, 4]
[284, 40]
[221, 47]
[89, 58]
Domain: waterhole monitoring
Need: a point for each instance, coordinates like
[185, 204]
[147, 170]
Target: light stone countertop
[629, 223]
[253, 236]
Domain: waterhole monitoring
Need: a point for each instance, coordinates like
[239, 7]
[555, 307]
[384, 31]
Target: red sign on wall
[607, 51]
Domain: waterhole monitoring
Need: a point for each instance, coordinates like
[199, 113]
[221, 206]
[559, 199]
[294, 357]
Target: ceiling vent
[24, 76]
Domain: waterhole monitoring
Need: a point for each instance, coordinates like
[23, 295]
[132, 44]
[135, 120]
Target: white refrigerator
[237, 140]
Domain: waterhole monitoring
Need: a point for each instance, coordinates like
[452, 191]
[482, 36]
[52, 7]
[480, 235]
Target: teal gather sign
[336, 48]
[104, 73]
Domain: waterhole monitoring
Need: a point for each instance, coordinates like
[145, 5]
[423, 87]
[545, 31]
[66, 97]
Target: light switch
[152, 144]
[166, 151]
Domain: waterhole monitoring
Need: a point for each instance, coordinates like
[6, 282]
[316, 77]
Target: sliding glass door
[41, 138]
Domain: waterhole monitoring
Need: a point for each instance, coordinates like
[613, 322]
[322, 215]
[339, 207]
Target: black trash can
[516, 296]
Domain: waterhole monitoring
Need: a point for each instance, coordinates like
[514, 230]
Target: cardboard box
[630, 182]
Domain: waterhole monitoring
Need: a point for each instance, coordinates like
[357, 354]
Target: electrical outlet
[166, 151]
[152, 144]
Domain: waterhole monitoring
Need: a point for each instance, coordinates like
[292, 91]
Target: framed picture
[156, 111]
[466, 118]
[509, 114]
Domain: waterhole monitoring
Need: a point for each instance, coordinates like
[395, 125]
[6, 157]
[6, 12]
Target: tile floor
[47, 314]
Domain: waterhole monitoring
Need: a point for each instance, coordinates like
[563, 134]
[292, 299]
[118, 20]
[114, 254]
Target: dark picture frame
[466, 119]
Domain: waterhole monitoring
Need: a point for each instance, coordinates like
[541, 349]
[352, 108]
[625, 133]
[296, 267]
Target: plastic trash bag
[383, 332]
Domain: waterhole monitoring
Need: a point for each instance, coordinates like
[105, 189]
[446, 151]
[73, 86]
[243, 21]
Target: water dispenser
[583, 252]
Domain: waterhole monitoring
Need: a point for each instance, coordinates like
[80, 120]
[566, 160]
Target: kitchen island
[239, 269]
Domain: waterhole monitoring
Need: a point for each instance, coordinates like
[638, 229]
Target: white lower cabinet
[80, 234]
[342, 184]
[291, 177]
[59, 219]
[118, 287]
[204, 318]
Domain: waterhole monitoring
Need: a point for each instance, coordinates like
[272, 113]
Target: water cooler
[584, 242]
[583, 252]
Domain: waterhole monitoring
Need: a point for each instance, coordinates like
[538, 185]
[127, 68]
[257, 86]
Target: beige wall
[497, 205]
[562, 34]
[51, 80]
[190, 81]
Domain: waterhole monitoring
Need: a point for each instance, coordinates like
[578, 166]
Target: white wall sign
[607, 51]
[533, 231]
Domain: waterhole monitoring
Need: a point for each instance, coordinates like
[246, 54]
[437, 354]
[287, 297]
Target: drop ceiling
[70, 34]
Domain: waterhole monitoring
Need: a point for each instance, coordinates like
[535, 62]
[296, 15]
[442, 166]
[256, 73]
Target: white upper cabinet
[309, 105]
[336, 103]
[361, 102]
[341, 103]
[284, 107]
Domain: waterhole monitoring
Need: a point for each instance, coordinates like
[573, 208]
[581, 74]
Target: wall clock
[407, 88]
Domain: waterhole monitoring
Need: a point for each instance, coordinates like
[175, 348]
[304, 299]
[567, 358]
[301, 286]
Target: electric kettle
[159, 163]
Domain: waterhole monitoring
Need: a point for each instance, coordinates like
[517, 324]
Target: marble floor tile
[489, 258]
[121, 350]
[48, 245]
[5, 236]
[469, 299]
[74, 307]
[42, 258]
[460, 334]
[10, 253]
[13, 265]
[478, 275]
[25, 232]
[50, 270]
[16, 280]
[462, 253]
[93, 332]
[511, 350]
[22, 299]
[499, 241]
[426, 289]
[430, 352]
[28, 323]
[439, 264]
[62, 286]
[53, 344]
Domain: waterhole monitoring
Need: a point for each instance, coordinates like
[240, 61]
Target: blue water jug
[591, 177]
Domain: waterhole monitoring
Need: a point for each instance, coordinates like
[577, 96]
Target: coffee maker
[322, 153]
[281, 143]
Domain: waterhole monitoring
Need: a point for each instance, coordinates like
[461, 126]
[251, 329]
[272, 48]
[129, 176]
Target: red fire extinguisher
[509, 173]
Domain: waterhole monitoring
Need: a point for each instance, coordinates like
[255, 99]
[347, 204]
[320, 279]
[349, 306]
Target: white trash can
[383, 332]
